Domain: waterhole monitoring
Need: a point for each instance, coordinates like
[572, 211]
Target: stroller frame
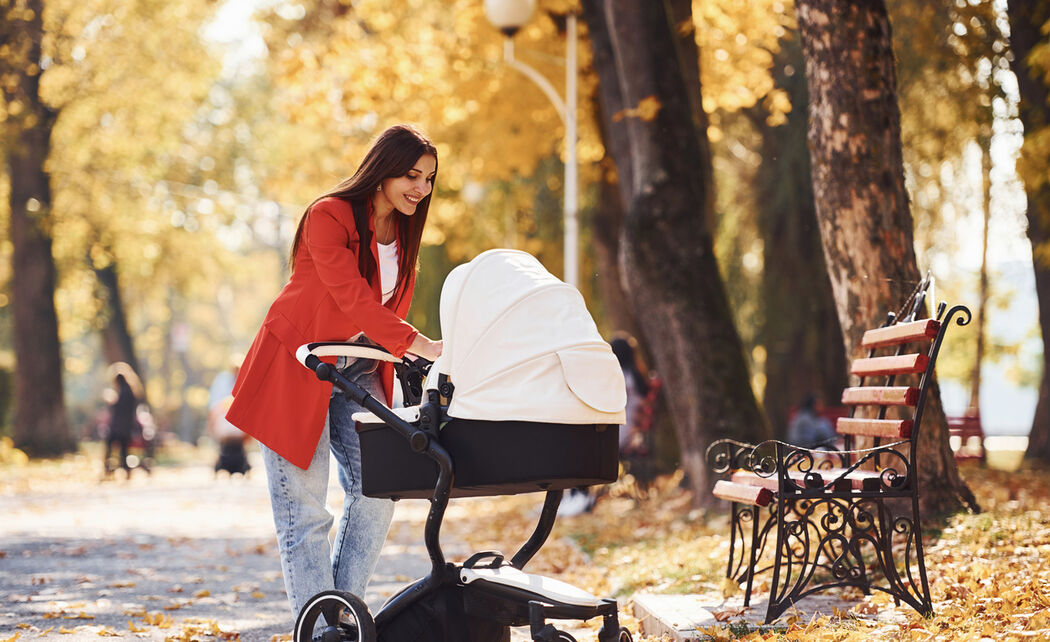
[518, 605]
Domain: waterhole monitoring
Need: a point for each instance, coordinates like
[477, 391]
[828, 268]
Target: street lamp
[508, 16]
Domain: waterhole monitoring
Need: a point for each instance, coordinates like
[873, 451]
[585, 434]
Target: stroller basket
[491, 458]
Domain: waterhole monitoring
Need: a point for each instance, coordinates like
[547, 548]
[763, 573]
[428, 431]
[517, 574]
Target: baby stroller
[526, 397]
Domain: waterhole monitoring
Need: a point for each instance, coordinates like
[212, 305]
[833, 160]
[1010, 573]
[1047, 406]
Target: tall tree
[1027, 20]
[117, 343]
[40, 423]
[858, 178]
[800, 330]
[666, 249]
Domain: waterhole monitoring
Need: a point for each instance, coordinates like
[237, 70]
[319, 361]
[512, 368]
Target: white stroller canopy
[519, 344]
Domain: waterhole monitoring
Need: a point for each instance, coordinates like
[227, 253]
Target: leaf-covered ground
[989, 572]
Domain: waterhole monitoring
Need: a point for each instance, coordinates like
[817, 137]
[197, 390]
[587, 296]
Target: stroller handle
[418, 439]
[342, 349]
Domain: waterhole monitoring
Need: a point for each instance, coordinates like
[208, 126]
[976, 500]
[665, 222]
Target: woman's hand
[424, 347]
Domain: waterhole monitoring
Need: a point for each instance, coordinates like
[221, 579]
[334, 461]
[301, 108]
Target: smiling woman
[353, 272]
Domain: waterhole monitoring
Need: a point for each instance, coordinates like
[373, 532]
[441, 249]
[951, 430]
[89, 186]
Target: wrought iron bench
[831, 517]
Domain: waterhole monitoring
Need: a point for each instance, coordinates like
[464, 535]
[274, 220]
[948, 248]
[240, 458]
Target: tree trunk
[41, 427]
[605, 232]
[980, 320]
[1026, 20]
[608, 220]
[666, 248]
[800, 330]
[117, 344]
[858, 182]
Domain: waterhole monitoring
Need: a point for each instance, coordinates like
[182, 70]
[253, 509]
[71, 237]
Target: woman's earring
[379, 188]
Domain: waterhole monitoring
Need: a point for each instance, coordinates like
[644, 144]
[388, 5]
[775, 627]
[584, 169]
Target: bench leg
[903, 585]
[753, 555]
[734, 534]
[744, 568]
[782, 564]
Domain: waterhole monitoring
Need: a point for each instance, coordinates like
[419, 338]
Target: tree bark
[608, 220]
[117, 344]
[980, 318]
[858, 182]
[800, 330]
[1026, 20]
[605, 232]
[41, 426]
[666, 247]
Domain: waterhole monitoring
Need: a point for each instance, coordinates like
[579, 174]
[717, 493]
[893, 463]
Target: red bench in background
[970, 434]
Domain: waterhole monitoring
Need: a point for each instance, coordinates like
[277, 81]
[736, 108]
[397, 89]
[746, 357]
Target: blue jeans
[311, 563]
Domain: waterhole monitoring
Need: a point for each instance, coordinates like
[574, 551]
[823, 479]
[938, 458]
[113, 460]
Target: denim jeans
[311, 563]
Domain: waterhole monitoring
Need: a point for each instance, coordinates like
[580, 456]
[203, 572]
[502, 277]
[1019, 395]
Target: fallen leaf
[724, 615]
[730, 587]
[866, 608]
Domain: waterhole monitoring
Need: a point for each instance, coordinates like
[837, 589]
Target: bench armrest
[788, 468]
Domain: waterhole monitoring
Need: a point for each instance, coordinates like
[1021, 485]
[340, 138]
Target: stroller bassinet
[526, 397]
[534, 393]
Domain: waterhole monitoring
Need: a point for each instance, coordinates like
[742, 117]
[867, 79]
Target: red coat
[276, 399]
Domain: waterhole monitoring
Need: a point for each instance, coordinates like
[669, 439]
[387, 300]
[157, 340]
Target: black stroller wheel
[345, 619]
[625, 635]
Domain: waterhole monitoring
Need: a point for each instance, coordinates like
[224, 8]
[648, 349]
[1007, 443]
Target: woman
[353, 270]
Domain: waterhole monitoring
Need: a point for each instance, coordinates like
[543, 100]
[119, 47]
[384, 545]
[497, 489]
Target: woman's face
[405, 192]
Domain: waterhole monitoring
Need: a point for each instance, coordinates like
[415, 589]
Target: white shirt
[387, 269]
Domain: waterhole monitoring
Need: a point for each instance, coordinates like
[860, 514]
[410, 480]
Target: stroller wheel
[625, 635]
[343, 618]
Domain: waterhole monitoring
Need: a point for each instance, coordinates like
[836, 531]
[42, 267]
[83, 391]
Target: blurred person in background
[637, 387]
[807, 428]
[233, 458]
[123, 425]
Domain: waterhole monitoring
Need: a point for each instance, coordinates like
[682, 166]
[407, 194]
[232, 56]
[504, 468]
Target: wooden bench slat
[888, 428]
[743, 493]
[921, 330]
[750, 478]
[881, 396]
[900, 364]
[855, 478]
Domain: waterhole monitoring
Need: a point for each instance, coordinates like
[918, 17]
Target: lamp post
[508, 16]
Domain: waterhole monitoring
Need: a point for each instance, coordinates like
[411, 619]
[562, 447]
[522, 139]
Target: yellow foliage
[646, 110]
[9, 455]
[737, 41]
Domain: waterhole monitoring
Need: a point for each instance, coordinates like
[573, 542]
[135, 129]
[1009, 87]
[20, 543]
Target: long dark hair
[392, 154]
[624, 352]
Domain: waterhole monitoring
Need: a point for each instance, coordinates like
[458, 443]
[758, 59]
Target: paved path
[174, 555]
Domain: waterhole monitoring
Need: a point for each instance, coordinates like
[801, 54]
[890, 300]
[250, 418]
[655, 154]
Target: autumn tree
[40, 423]
[666, 249]
[861, 203]
[1030, 48]
[800, 329]
[951, 63]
